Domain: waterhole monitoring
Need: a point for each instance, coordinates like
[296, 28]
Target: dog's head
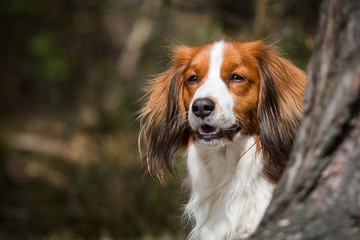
[217, 92]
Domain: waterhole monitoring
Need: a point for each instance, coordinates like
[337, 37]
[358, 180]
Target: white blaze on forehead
[215, 88]
[216, 59]
[213, 84]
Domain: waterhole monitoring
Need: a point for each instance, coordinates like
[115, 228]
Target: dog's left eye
[236, 78]
[193, 79]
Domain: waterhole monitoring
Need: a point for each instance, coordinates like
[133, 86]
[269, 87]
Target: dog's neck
[228, 189]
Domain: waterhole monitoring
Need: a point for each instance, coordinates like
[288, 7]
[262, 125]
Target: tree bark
[319, 194]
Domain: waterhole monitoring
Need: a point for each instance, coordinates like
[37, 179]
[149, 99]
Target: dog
[235, 108]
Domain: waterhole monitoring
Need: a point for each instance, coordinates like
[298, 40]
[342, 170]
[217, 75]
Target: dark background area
[71, 76]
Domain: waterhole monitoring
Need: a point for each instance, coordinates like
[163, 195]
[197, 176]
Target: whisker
[245, 153]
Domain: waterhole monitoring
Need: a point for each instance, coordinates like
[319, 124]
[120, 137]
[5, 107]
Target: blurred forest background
[72, 72]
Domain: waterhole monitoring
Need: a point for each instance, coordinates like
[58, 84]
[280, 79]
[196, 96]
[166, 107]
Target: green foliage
[52, 66]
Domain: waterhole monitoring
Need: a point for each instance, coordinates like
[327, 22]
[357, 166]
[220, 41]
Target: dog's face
[221, 93]
[216, 92]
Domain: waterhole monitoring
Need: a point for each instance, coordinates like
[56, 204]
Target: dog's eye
[236, 78]
[193, 79]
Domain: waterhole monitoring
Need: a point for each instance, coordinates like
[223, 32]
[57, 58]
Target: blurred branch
[76, 150]
[127, 65]
[128, 61]
[260, 17]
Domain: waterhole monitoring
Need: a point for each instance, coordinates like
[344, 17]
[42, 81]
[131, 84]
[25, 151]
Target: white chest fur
[229, 194]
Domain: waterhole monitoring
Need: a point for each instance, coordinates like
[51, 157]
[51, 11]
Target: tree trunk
[319, 195]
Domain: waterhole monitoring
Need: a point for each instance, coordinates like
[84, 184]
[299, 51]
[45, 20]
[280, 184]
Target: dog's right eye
[193, 79]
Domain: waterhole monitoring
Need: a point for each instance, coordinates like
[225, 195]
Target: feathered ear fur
[163, 118]
[280, 108]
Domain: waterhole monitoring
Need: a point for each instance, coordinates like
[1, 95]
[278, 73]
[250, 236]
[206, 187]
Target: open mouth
[208, 133]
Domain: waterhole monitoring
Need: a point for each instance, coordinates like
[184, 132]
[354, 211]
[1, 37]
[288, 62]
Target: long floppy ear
[163, 118]
[280, 108]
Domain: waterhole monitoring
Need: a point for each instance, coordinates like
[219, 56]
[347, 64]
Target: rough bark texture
[319, 195]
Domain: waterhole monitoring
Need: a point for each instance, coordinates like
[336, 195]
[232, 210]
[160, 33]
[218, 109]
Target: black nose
[202, 107]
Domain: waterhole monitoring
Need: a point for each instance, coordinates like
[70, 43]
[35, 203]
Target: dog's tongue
[207, 129]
